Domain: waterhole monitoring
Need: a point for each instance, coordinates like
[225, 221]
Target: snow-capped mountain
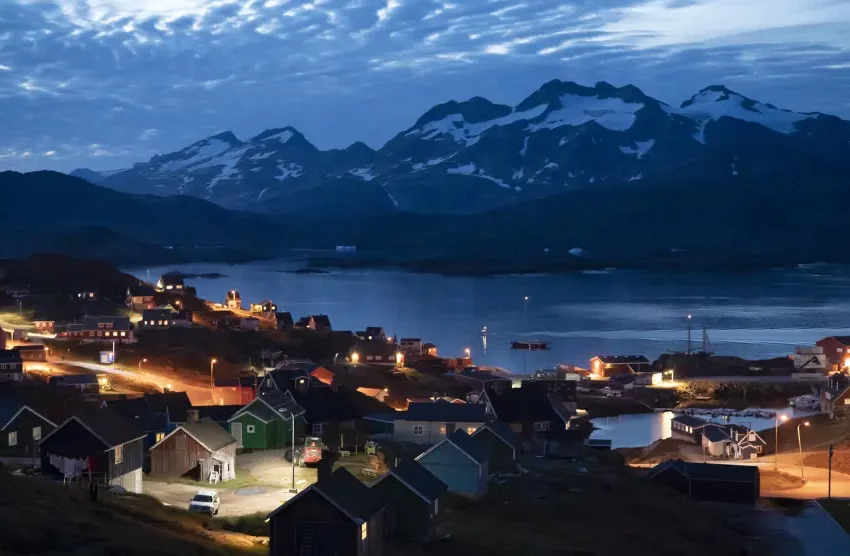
[475, 155]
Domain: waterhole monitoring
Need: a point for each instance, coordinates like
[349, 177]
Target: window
[249, 429]
[541, 426]
[364, 531]
[418, 430]
[470, 430]
[36, 433]
[123, 334]
[442, 430]
[758, 449]
[318, 428]
[160, 436]
[13, 438]
[119, 454]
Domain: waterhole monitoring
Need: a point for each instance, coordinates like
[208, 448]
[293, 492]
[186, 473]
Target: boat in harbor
[530, 346]
[724, 412]
[806, 401]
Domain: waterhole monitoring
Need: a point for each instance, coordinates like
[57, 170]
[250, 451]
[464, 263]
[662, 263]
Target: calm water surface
[620, 312]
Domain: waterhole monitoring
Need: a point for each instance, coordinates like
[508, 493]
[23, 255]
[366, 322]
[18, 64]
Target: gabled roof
[322, 320]
[110, 427]
[325, 403]
[172, 279]
[434, 412]
[271, 405]
[10, 409]
[518, 405]
[709, 471]
[345, 492]
[206, 432]
[140, 290]
[715, 433]
[175, 403]
[118, 323]
[419, 480]
[463, 442]
[502, 432]
[690, 420]
[10, 356]
[218, 413]
[284, 317]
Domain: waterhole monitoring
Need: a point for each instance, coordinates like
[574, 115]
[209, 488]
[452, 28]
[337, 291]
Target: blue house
[459, 461]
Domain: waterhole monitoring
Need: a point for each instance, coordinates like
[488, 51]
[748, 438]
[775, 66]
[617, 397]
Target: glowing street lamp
[800, 443]
[467, 352]
[399, 359]
[213, 361]
[778, 418]
[140, 364]
[355, 358]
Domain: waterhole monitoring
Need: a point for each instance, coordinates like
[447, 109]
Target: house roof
[175, 403]
[517, 405]
[325, 403]
[501, 431]
[140, 290]
[418, 479]
[322, 320]
[206, 432]
[623, 359]
[241, 381]
[284, 316]
[715, 433]
[463, 442]
[444, 413]
[110, 427]
[348, 494]
[272, 405]
[710, 471]
[171, 278]
[161, 313]
[118, 323]
[10, 408]
[218, 413]
[842, 339]
[690, 420]
[480, 376]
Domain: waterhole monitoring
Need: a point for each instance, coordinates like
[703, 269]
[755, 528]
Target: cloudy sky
[105, 83]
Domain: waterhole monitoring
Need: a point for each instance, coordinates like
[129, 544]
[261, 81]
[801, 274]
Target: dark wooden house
[195, 450]
[412, 496]
[336, 414]
[109, 446]
[710, 482]
[533, 413]
[502, 446]
[338, 515]
[21, 429]
[283, 320]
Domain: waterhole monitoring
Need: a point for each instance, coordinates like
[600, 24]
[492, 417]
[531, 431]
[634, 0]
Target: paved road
[816, 479]
[816, 532]
[233, 502]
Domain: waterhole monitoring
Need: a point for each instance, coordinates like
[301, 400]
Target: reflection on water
[642, 429]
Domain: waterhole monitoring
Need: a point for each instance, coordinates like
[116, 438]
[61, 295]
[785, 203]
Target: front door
[236, 432]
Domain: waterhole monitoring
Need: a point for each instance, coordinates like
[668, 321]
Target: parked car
[205, 501]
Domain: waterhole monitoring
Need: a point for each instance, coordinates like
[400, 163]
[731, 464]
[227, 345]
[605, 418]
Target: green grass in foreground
[242, 480]
[839, 510]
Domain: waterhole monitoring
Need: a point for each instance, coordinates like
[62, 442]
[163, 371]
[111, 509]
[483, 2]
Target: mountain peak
[227, 137]
[714, 93]
[474, 110]
[282, 134]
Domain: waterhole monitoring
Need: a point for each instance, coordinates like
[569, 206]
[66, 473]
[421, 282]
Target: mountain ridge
[561, 137]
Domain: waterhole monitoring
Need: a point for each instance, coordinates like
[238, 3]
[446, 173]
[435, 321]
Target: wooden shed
[195, 450]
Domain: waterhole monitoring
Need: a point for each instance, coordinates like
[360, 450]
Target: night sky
[106, 83]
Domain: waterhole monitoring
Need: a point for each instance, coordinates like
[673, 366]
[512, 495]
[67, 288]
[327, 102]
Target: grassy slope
[39, 517]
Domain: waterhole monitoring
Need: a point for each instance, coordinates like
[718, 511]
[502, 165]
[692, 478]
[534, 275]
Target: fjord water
[752, 315]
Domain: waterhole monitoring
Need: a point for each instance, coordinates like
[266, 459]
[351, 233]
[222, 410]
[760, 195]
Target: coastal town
[367, 442]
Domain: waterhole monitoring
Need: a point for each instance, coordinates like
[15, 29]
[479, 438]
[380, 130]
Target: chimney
[192, 415]
[326, 465]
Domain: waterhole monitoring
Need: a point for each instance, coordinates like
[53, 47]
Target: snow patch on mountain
[261, 156]
[198, 152]
[712, 104]
[260, 196]
[282, 137]
[465, 169]
[641, 148]
[611, 113]
[637, 177]
[563, 141]
[364, 174]
[434, 161]
[468, 133]
[228, 162]
[518, 174]
[289, 170]
[524, 146]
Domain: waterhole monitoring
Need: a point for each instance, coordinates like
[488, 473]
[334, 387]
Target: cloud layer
[105, 83]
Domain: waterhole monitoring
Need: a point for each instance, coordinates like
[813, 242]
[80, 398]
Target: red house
[836, 349]
[235, 391]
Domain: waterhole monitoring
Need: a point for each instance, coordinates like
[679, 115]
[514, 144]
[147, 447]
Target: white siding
[431, 432]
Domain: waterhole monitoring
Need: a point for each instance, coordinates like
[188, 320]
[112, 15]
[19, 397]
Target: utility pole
[829, 474]
[689, 335]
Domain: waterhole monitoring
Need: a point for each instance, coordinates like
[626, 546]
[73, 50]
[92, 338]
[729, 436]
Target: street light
[467, 352]
[776, 420]
[355, 357]
[140, 364]
[292, 455]
[213, 361]
[800, 443]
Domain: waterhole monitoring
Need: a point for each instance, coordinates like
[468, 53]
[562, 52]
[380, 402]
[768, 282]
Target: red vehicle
[311, 453]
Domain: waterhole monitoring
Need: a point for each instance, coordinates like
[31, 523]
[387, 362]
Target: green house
[266, 423]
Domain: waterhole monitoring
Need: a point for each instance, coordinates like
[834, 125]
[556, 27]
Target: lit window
[442, 430]
[160, 436]
[119, 454]
[36, 433]
[123, 334]
[13, 438]
[418, 430]
[541, 426]
[249, 429]
[364, 531]
[470, 430]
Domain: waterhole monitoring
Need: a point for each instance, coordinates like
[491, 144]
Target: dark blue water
[753, 315]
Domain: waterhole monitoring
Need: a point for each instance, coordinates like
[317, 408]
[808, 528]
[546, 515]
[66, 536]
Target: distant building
[412, 346]
[249, 323]
[373, 333]
[43, 323]
[225, 319]
[427, 423]
[11, 366]
[836, 349]
[34, 352]
[140, 297]
[283, 321]
[614, 365]
[101, 329]
[83, 382]
[171, 283]
[319, 323]
[710, 482]
[235, 391]
[86, 294]
[232, 300]
[156, 319]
